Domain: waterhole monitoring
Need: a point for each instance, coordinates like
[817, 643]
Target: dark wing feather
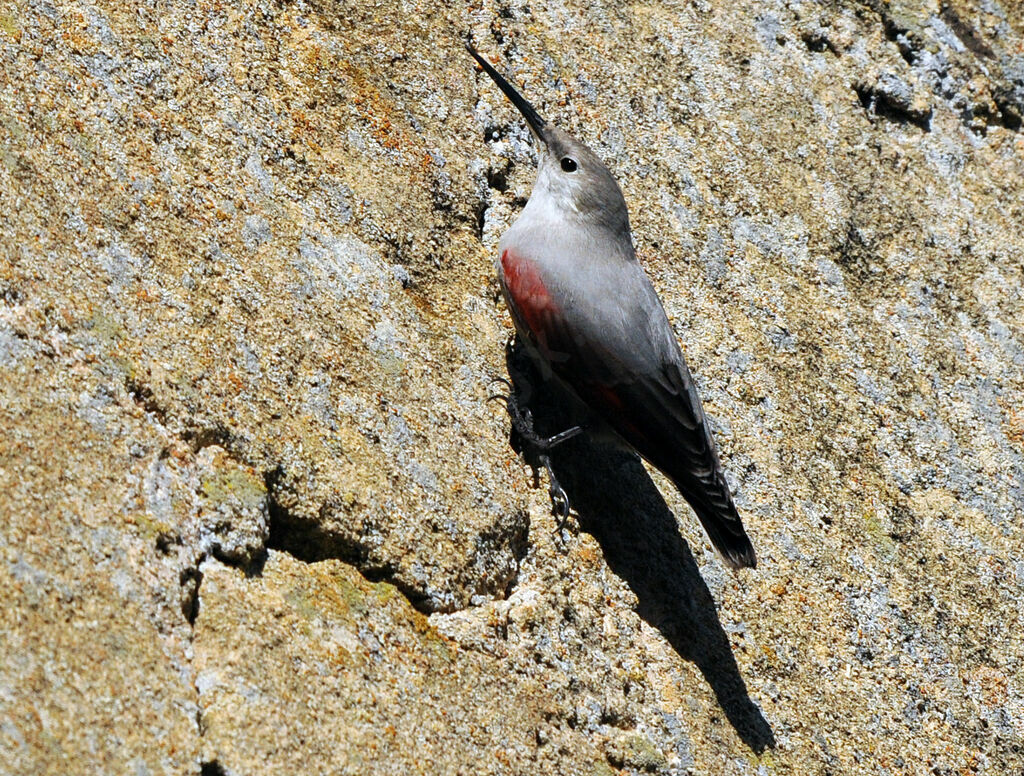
[635, 378]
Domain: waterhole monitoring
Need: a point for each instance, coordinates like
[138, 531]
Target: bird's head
[570, 178]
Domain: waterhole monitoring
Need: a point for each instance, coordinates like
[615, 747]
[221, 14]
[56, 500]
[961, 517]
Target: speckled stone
[256, 514]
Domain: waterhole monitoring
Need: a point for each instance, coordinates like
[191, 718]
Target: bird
[592, 321]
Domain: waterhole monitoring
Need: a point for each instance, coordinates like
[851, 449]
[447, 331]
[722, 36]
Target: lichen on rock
[258, 514]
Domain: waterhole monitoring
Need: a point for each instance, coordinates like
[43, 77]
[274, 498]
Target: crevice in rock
[304, 538]
[142, 395]
[513, 534]
[199, 437]
[251, 566]
[878, 102]
[493, 132]
[247, 556]
[167, 540]
[497, 177]
[191, 579]
[307, 540]
[906, 41]
[1011, 112]
[1008, 111]
[971, 40]
[818, 42]
[479, 218]
[416, 598]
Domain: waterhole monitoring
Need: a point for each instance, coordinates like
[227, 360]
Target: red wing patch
[527, 292]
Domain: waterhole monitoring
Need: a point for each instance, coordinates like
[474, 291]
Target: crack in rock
[237, 514]
[893, 99]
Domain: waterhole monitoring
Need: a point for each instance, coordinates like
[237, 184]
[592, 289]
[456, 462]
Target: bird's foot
[559, 501]
[559, 498]
[522, 423]
[522, 420]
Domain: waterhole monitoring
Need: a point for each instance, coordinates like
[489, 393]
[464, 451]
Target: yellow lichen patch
[152, 530]
[9, 27]
[384, 591]
[877, 528]
[328, 594]
[242, 483]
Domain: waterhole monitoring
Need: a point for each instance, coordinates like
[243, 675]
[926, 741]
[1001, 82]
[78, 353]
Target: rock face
[256, 515]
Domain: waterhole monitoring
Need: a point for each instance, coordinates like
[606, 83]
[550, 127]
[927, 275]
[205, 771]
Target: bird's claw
[522, 423]
[559, 498]
[559, 504]
[505, 397]
[522, 418]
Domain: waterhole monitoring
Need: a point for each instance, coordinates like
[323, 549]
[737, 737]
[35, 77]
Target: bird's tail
[722, 523]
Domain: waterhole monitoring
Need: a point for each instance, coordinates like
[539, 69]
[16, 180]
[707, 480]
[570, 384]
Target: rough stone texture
[256, 515]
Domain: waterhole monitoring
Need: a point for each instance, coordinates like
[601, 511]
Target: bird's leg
[559, 498]
[522, 420]
[522, 424]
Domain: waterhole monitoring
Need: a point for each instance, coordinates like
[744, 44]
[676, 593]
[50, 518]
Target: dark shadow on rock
[617, 502]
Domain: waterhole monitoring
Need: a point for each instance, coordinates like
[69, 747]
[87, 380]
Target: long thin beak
[537, 125]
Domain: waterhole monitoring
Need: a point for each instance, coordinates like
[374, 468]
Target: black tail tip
[739, 557]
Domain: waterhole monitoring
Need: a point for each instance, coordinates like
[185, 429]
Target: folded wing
[620, 356]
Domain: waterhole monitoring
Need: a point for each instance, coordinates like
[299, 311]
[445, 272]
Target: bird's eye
[569, 164]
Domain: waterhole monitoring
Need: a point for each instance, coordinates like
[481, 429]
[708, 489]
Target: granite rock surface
[257, 515]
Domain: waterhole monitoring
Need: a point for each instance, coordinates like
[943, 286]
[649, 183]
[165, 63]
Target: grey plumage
[583, 304]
